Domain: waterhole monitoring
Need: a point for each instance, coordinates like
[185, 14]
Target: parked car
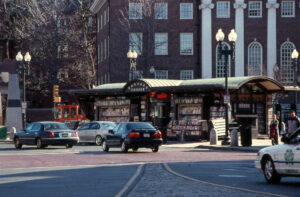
[93, 132]
[133, 135]
[280, 160]
[47, 133]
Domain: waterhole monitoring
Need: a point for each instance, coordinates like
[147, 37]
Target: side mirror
[285, 139]
[111, 131]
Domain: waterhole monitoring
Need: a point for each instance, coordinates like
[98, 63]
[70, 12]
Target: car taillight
[76, 134]
[157, 134]
[51, 134]
[134, 135]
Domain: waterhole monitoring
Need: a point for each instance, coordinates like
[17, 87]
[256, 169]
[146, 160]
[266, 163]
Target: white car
[280, 160]
[93, 132]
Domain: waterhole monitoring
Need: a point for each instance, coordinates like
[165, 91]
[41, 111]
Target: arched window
[255, 59]
[287, 70]
[220, 61]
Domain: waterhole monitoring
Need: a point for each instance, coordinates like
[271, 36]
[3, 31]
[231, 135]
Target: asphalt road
[173, 171]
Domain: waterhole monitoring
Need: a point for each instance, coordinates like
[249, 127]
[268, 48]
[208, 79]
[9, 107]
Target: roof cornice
[97, 5]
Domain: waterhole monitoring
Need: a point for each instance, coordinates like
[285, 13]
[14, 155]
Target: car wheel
[98, 140]
[104, 146]
[155, 149]
[18, 145]
[124, 148]
[69, 145]
[39, 143]
[270, 173]
[135, 149]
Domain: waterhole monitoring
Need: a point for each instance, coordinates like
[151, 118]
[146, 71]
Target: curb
[231, 148]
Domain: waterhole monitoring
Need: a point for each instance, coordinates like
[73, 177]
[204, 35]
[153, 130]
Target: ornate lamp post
[23, 69]
[225, 51]
[132, 56]
[294, 57]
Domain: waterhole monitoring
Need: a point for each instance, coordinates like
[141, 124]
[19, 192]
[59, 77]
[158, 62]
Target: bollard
[213, 137]
[234, 138]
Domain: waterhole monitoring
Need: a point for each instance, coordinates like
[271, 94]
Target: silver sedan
[93, 132]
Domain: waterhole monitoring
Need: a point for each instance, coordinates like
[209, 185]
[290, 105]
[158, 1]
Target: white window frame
[222, 12]
[161, 44]
[186, 44]
[253, 10]
[255, 59]
[161, 10]
[135, 11]
[161, 74]
[220, 63]
[183, 12]
[283, 6]
[186, 74]
[286, 66]
[136, 42]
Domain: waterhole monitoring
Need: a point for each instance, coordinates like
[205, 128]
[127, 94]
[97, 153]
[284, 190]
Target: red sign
[161, 96]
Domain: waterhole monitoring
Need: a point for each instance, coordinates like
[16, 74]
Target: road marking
[132, 179]
[232, 176]
[218, 185]
[21, 179]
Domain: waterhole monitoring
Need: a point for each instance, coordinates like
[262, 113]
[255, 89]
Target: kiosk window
[66, 113]
[73, 112]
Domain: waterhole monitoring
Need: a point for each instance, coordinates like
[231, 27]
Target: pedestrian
[292, 123]
[274, 127]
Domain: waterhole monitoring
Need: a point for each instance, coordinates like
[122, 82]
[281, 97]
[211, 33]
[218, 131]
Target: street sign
[226, 99]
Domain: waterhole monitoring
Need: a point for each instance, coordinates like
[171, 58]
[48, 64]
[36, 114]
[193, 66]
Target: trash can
[3, 132]
[246, 137]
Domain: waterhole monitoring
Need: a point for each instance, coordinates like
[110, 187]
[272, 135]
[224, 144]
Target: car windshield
[139, 125]
[50, 126]
[109, 124]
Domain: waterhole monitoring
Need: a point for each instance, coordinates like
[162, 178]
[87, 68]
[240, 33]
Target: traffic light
[55, 91]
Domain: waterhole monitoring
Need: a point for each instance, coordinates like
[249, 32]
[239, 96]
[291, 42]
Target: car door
[33, 133]
[24, 136]
[118, 136]
[111, 137]
[82, 132]
[92, 131]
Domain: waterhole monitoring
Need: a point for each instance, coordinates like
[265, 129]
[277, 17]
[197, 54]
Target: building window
[186, 11]
[135, 11]
[186, 74]
[161, 74]
[161, 44]
[186, 44]
[254, 59]
[161, 10]
[58, 24]
[98, 53]
[104, 48]
[101, 52]
[108, 14]
[66, 51]
[288, 8]
[287, 70]
[90, 24]
[1, 53]
[98, 22]
[255, 9]
[223, 9]
[108, 47]
[220, 62]
[136, 42]
[138, 74]
[104, 20]
[101, 22]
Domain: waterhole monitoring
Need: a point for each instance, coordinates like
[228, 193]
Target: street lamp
[225, 51]
[152, 70]
[23, 69]
[132, 56]
[294, 57]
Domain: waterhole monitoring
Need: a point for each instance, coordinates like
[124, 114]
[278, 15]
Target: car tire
[98, 140]
[135, 149]
[104, 146]
[69, 145]
[39, 143]
[155, 149]
[18, 145]
[270, 173]
[124, 148]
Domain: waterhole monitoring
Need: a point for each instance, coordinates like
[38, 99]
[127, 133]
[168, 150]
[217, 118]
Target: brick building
[177, 38]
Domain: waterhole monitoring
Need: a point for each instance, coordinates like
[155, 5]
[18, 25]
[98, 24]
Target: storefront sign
[138, 87]
[104, 103]
[188, 100]
[244, 106]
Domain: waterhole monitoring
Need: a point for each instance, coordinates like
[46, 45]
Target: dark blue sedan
[46, 133]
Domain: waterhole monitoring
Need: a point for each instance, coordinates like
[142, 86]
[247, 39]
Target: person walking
[292, 123]
[274, 127]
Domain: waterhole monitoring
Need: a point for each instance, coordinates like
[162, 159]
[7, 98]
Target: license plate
[64, 135]
[146, 135]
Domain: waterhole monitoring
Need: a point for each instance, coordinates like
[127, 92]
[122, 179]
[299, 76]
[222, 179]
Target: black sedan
[43, 134]
[133, 135]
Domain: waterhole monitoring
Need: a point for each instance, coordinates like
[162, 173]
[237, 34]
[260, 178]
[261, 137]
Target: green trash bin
[3, 132]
